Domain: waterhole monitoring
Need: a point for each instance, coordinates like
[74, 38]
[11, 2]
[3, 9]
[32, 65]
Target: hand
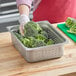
[23, 20]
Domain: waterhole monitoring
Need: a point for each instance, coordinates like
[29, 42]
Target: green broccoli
[44, 33]
[72, 29]
[49, 42]
[31, 29]
[28, 42]
[20, 37]
[40, 37]
[32, 42]
[38, 43]
[70, 22]
[34, 36]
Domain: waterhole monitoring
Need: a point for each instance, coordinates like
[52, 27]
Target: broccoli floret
[28, 42]
[70, 22]
[72, 29]
[39, 29]
[20, 37]
[31, 29]
[32, 42]
[44, 33]
[49, 42]
[40, 37]
[39, 43]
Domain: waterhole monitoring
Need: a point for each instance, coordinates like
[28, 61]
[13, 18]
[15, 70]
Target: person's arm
[24, 17]
[24, 14]
[24, 8]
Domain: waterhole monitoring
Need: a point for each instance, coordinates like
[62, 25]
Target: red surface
[55, 10]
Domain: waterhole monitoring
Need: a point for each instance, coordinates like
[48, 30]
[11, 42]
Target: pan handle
[12, 28]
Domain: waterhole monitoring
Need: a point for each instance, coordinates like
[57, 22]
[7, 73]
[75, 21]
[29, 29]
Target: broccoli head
[40, 37]
[20, 37]
[72, 29]
[49, 42]
[28, 42]
[31, 29]
[44, 33]
[38, 43]
[32, 42]
[70, 22]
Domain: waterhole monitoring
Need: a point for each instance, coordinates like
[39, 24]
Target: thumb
[21, 28]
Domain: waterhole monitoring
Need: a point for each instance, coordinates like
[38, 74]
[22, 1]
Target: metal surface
[44, 52]
[6, 24]
[9, 14]
[9, 11]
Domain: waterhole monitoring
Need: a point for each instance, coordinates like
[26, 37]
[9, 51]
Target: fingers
[23, 19]
[21, 30]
